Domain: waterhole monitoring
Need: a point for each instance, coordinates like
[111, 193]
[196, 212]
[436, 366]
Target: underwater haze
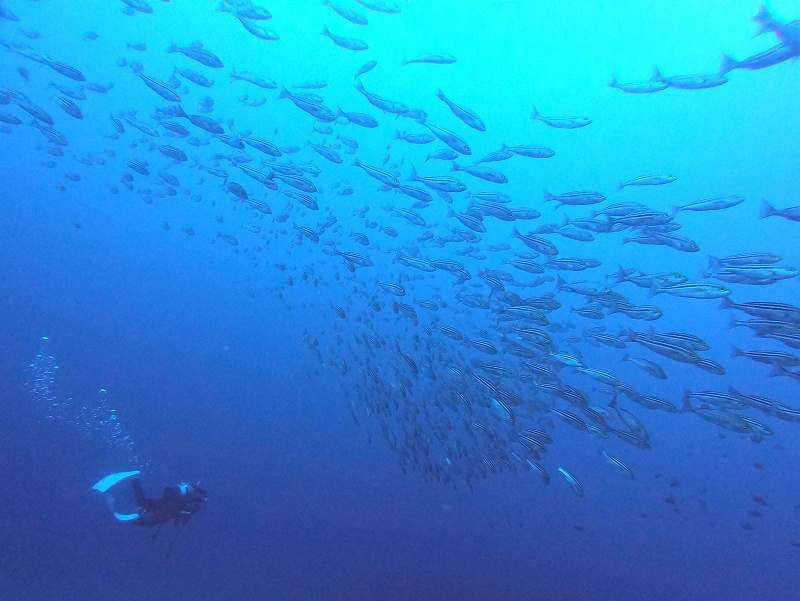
[436, 300]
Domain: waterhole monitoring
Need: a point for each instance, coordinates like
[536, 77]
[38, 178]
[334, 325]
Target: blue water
[335, 471]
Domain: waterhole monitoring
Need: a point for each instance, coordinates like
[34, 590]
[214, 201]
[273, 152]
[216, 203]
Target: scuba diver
[176, 504]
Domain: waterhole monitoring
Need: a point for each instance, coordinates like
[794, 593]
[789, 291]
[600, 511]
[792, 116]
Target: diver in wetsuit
[176, 504]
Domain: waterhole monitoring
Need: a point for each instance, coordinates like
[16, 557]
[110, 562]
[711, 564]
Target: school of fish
[467, 354]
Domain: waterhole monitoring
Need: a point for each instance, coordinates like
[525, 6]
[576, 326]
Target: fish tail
[762, 15]
[714, 264]
[777, 370]
[767, 210]
[284, 93]
[455, 167]
[547, 196]
[656, 76]
[414, 175]
[398, 135]
[727, 64]
[620, 186]
[761, 29]
[725, 302]
[325, 31]
[613, 83]
[440, 95]
[535, 114]
[735, 351]
[173, 48]
[560, 283]
[223, 8]
[674, 210]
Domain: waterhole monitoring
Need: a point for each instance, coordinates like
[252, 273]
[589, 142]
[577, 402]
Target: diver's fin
[113, 479]
[126, 517]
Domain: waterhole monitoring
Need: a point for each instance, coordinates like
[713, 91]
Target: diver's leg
[141, 497]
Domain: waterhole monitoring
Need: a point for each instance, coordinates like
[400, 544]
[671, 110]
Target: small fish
[344, 42]
[353, 16]
[561, 122]
[619, 465]
[466, 115]
[647, 180]
[432, 58]
[645, 87]
[196, 52]
[381, 6]
[365, 68]
[716, 203]
[573, 482]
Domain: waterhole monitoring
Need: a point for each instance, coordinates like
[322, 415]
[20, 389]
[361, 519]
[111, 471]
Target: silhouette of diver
[177, 504]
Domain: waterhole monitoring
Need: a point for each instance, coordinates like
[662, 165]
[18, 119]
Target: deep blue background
[216, 384]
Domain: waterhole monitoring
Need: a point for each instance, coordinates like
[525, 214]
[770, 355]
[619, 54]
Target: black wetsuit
[175, 504]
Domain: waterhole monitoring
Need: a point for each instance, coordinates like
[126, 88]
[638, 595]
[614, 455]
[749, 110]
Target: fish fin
[727, 64]
[761, 29]
[776, 370]
[656, 76]
[762, 14]
[714, 265]
[767, 210]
